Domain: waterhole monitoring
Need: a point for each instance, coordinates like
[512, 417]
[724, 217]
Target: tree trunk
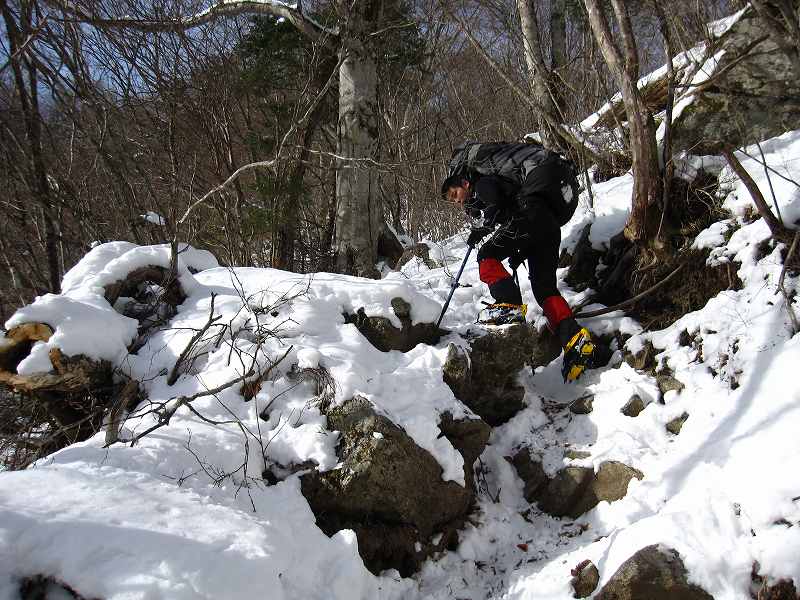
[26, 80]
[283, 255]
[643, 220]
[358, 212]
[558, 48]
[538, 74]
[558, 34]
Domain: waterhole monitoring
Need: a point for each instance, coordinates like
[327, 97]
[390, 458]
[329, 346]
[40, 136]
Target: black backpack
[515, 162]
[511, 161]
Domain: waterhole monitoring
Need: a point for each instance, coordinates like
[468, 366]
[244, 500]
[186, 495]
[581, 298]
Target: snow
[154, 218]
[184, 513]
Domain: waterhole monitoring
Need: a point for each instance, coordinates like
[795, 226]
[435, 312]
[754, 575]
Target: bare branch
[234, 8]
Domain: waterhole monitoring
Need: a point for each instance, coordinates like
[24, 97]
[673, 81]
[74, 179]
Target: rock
[421, 251]
[667, 383]
[642, 360]
[565, 490]
[782, 590]
[576, 490]
[633, 407]
[389, 490]
[385, 337]
[531, 472]
[485, 377]
[653, 573]
[752, 95]
[41, 587]
[576, 454]
[584, 263]
[469, 437]
[585, 578]
[583, 405]
[676, 424]
[389, 247]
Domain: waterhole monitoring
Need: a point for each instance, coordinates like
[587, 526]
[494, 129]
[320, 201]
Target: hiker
[527, 192]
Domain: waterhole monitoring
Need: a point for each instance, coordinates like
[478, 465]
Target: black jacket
[494, 197]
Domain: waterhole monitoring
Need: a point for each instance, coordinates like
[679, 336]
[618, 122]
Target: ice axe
[454, 285]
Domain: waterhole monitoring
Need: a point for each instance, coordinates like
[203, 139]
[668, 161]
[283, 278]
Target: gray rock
[583, 405]
[585, 578]
[667, 383]
[633, 407]
[421, 251]
[652, 573]
[676, 424]
[783, 589]
[531, 472]
[485, 377]
[642, 360]
[576, 454]
[41, 587]
[564, 492]
[576, 490]
[389, 490]
[753, 95]
[385, 337]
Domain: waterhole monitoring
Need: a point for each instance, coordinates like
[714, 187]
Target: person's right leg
[501, 284]
[542, 264]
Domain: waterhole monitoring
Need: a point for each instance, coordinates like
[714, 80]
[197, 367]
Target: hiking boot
[501, 313]
[579, 355]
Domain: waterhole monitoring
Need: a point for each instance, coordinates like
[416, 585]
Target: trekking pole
[454, 285]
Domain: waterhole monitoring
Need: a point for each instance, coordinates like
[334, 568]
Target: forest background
[287, 135]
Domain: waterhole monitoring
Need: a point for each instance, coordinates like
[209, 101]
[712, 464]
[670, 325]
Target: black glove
[515, 260]
[476, 235]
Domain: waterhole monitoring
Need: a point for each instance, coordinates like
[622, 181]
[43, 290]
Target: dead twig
[175, 372]
[165, 416]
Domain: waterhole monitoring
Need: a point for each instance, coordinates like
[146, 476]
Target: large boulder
[654, 573]
[573, 491]
[752, 93]
[382, 334]
[390, 491]
[485, 376]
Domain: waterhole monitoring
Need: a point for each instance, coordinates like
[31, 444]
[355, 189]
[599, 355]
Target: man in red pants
[527, 192]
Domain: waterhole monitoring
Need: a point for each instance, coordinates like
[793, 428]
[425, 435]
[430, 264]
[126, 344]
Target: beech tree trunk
[558, 34]
[358, 213]
[539, 76]
[643, 221]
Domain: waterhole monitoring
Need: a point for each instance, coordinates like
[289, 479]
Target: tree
[624, 66]
[354, 38]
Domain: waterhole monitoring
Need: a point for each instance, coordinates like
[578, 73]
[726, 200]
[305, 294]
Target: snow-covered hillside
[184, 514]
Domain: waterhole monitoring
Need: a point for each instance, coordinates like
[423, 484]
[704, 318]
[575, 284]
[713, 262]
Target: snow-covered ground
[183, 513]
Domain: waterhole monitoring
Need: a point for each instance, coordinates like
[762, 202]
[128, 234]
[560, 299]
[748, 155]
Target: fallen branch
[173, 376]
[630, 301]
[165, 416]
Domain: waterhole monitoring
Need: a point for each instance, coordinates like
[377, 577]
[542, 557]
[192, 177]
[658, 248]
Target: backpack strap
[473, 152]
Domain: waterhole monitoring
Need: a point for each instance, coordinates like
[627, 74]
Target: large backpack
[512, 161]
[555, 181]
